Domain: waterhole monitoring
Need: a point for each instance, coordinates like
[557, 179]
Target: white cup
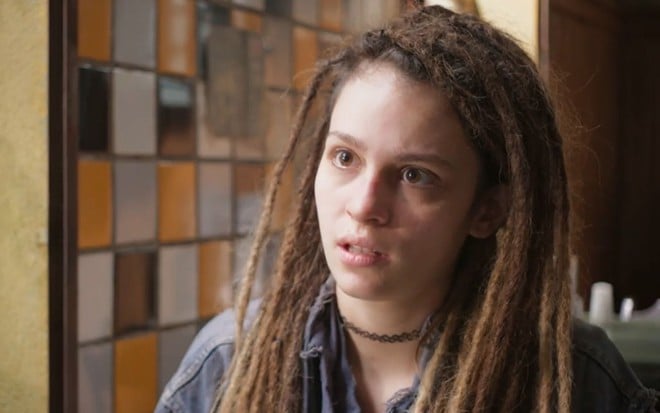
[601, 304]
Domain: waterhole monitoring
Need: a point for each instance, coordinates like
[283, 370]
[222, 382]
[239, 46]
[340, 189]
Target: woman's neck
[382, 367]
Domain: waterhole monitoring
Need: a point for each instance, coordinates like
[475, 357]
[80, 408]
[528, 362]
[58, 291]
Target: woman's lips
[360, 256]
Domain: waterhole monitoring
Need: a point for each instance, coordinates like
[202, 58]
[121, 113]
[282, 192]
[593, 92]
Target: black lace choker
[384, 338]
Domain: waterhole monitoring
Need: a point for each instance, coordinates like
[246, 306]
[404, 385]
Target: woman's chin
[360, 286]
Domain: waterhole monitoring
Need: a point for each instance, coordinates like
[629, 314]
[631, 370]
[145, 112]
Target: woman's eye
[417, 176]
[343, 158]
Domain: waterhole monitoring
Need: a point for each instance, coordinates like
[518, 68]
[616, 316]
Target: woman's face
[395, 188]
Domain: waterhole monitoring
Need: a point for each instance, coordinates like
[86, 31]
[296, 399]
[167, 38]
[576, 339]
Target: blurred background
[136, 137]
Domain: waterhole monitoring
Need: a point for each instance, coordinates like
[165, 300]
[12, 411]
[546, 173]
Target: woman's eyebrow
[348, 139]
[426, 158]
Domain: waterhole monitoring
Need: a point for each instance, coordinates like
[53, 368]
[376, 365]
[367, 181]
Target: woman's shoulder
[602, 380]
[192, 388]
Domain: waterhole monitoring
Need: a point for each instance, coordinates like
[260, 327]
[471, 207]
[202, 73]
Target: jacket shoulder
[602, 380]
[193, 386]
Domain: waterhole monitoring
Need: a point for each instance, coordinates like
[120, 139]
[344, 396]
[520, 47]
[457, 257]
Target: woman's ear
[490, 211]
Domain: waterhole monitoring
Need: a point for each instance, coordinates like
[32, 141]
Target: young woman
[425, 267]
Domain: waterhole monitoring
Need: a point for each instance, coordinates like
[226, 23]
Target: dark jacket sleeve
[602, 380]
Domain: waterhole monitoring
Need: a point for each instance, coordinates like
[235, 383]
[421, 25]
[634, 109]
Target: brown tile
[254, 4]
[94, 20]
[305, 54]
[136, 374]
[215, 279]
[176, 117]
[176, 37]
[278, 62]
[176, 201]
[246, 20]
[279, 123]
[284, 203]
[306, 11]
[94, 204]
[236, 75]
[134, 303]
[331, 14]
[249, 187]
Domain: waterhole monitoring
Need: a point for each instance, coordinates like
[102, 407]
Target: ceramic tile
[306, 52]
[279, 123]
[265, 268]
[377, 13]
[135, 201]
[93, 95]
[328, 42]
[249, 187]
[134, 112]
[281, 8]
[277, 41]
[235, 89]
[172, 347]
[227, 81]
[209, 145]
[136, 370]
[250, 144]
[215, 202]
[176, 201]
[208, 16]
[176, 37]
[254, 4]
[135, 32]
[95, 378]
[353, 18]
[246, 20]
[134, 291]
[95, 292]
[331, 15]
[177, 284]
[94, 204]
[215, 279]
[306, 11]
[284, 202]
[176, 118]
[94, 20]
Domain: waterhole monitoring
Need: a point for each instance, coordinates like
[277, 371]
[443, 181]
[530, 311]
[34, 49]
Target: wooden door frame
[62, 206]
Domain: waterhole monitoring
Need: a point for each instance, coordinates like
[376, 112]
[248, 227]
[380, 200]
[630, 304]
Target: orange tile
[176, 37]
[94, 204]
[215, 277]
[94, 17]
[305, 54]
[331, 15]
[246, 20]
[136, 374]
[177, 206]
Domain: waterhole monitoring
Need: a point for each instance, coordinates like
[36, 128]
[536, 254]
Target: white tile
[95, 294]
[177, 284]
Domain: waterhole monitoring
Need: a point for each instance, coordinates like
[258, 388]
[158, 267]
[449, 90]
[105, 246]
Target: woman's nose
[370, 200]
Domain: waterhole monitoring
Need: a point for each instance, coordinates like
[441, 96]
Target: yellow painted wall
[517, 17]
[23, 206]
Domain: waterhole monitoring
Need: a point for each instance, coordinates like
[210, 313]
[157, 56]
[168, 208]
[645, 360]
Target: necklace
[383, 338]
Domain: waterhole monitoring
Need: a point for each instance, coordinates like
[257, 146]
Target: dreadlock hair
[503, 344]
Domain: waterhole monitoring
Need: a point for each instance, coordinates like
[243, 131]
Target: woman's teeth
[359, 250]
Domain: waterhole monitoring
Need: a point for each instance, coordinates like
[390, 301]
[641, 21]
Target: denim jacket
[603, 382]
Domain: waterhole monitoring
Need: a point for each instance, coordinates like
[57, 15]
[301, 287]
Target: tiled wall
[184, 105]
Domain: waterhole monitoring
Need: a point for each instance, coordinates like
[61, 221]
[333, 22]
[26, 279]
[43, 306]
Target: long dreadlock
[504, 345]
